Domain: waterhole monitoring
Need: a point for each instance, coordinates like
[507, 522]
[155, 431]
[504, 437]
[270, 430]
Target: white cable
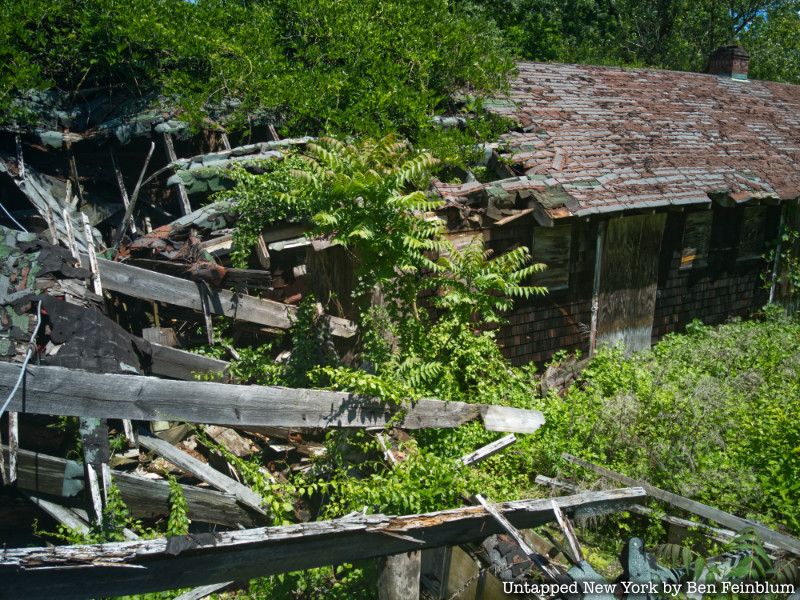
[28, 355]
[8, 214]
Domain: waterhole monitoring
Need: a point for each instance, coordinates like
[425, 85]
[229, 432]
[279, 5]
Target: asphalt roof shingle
[616, 138]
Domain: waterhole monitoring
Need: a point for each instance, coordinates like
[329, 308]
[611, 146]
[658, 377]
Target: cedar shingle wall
[724, 288]
[719, 288]
[543, 325]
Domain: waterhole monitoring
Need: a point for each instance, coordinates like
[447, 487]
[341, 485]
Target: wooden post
[121, 185]
[20, 159]
[87, 231]
[73, 249]
[399, 576]
[186, 207]
[94, 433]
[598, 265]
[13, 446]
[51, 226]
[134, 197]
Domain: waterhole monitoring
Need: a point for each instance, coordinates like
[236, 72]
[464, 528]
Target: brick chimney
[729, 61]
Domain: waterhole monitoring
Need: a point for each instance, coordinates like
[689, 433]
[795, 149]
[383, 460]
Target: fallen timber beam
[146, 498]
[780, 540]
[202, 471]
[159, 287]
[75, 572]
[180, 364]
[69, 392]
[721, 535]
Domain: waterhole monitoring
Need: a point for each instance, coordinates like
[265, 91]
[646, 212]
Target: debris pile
[108, 267]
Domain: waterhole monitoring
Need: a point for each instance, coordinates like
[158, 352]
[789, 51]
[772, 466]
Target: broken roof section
[602, 139]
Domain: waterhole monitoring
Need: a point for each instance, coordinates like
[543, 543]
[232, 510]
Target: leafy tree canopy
[338, 65]
[673, 34]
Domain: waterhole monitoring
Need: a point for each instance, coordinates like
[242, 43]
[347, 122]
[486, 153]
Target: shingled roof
[603, 139]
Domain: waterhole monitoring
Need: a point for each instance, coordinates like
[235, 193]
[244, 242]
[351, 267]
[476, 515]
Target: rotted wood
[63, 515]
[204, 591]
[96, 453]
[202, 471]
[121, 185]
[721, 535]
[488, 450]
[158, 287]
[782, 541]
[69, 392]
[146, 498]
[183, 197]
[180, 364]
[72, 572]
[13, 446]
[542, 563]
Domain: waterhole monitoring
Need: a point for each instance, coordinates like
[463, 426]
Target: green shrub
[328, 65]
[710, 415]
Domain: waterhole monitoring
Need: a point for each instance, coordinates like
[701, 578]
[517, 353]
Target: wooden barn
[653, 197]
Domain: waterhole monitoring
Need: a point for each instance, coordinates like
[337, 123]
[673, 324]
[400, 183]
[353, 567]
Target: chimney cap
[731, 61]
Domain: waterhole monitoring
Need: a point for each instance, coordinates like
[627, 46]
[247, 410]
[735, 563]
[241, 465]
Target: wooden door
[628, 281]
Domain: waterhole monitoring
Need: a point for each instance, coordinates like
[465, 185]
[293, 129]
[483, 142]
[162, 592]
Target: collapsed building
[650, 195]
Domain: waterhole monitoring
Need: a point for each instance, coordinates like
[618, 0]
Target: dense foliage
[326, 65]
[673, 34]
[691, 416]
[357, 67]
[710, 414]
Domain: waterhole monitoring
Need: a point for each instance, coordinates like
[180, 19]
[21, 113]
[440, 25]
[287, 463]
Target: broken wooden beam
[122, 568]
[204, 591]
[202, 471]
[159, 287]
[180, 364]
[721, 535]
[488, 450]
[541, 562]
[782, 541]
[146, 498]
[69, 392]
[61, 514]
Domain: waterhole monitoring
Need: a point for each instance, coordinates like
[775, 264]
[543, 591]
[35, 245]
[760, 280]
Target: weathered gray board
[142, 566]
[159, 287]
[146, 498]
[180, 364]
[780, 540]
[69, 392]
[628, 281]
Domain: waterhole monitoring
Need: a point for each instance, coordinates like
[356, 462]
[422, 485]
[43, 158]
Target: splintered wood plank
[488, 450]
[204, 591]
[782, 541]
[124, 568]
[61, 514]
[202, 471]
[146, 498]
[69, 392]
[183, 197]
[541, 562]
[159, 287]
[722, 535]
[180, 364]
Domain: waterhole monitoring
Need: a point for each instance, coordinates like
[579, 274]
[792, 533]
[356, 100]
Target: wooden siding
[628, 281]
